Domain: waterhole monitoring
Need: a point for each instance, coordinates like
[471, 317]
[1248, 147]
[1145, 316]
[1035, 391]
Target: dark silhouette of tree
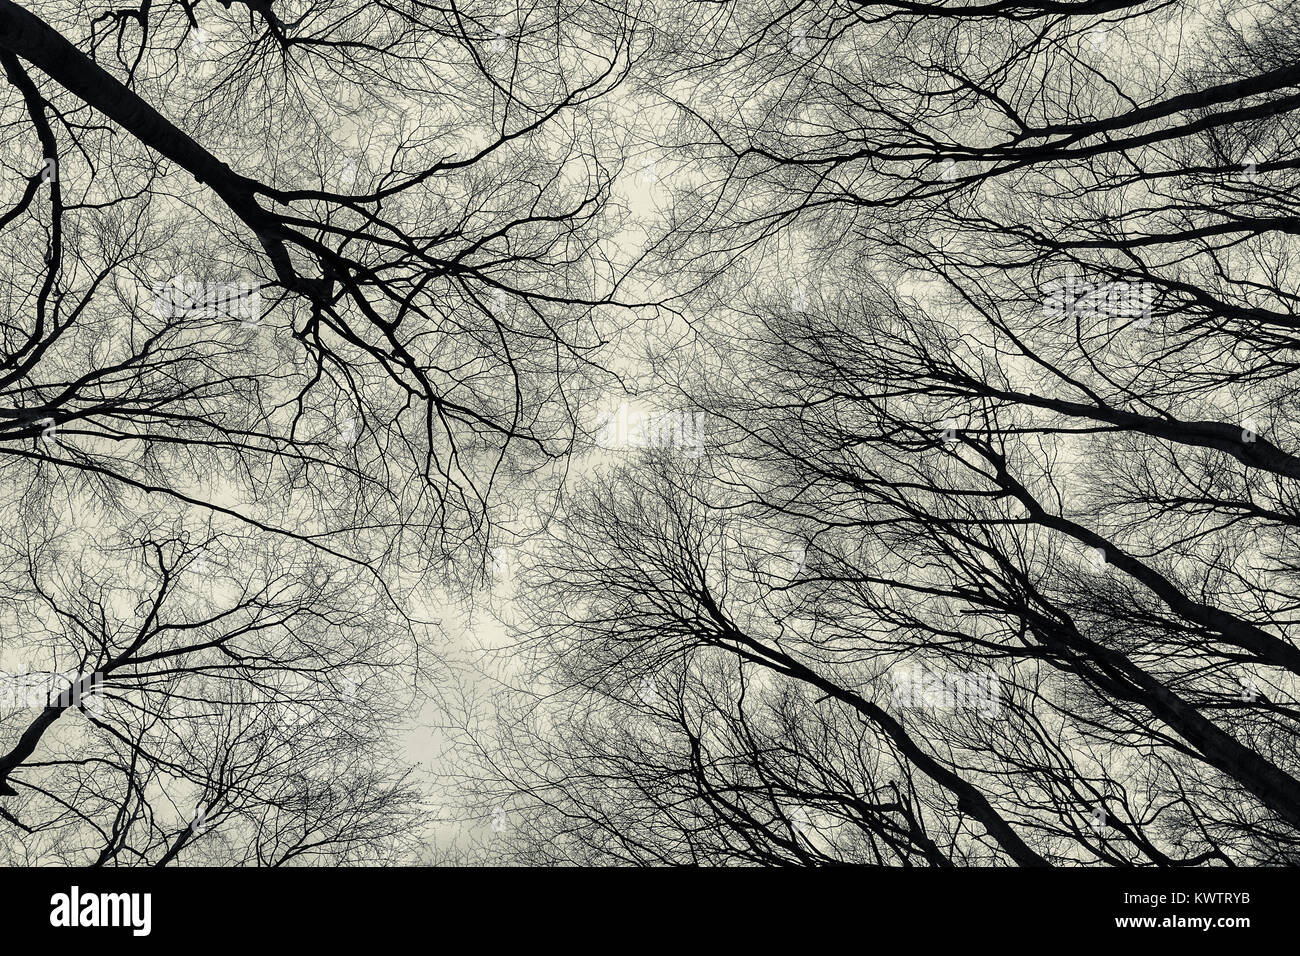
[989, 558]
[230, 700]
[290, 292]
[948, 519]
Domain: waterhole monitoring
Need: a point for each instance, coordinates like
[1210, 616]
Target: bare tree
[995, 364]
[290, 291]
